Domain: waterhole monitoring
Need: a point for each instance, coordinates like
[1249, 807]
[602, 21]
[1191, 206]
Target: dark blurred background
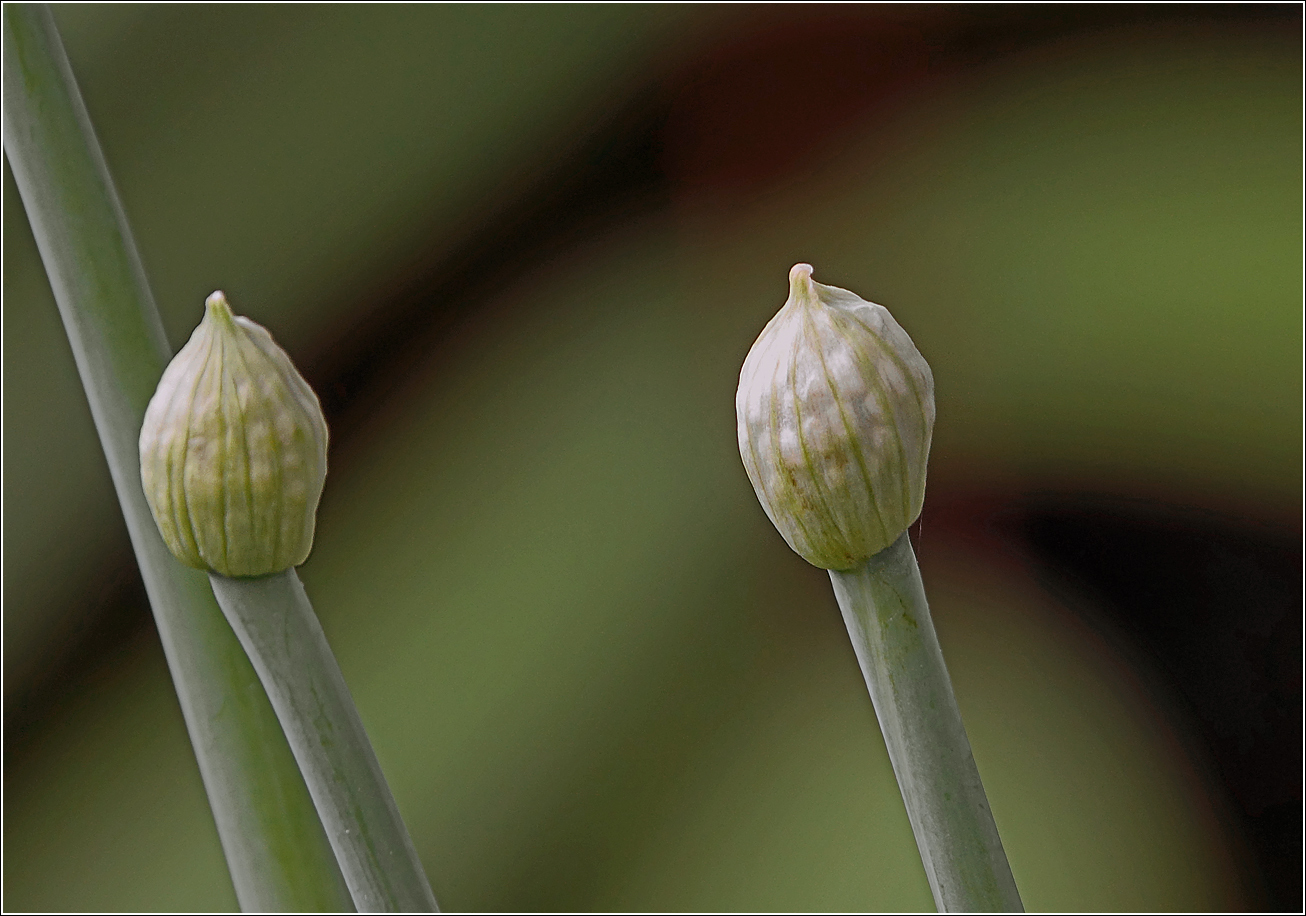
[521, 252]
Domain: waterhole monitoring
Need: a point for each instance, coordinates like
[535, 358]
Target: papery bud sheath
[835, 413]
[234, 450]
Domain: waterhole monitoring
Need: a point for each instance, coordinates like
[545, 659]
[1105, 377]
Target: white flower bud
[234, 450]
[835, 410]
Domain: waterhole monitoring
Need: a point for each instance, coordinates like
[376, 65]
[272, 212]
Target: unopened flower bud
[835, 410]
[234, 450]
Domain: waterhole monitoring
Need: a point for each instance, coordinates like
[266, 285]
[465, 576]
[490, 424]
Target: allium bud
[233, 450]
[835, 410]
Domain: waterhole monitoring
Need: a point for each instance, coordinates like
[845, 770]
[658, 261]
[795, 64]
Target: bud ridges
[835, 413]
[233, 450]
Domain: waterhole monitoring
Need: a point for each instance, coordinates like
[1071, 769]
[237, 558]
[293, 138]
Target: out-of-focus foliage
[594, 675]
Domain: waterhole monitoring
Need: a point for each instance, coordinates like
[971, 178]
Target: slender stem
[275, 623]
[275, 847]
[884, 607]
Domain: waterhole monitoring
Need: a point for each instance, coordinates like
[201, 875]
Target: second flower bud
[234, 450]
[835, 413]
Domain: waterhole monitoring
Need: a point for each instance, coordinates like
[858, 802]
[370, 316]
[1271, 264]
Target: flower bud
[233, 450]
[835, 410]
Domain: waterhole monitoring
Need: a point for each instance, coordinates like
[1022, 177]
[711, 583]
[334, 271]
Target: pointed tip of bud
[217, 306]
[800, 283]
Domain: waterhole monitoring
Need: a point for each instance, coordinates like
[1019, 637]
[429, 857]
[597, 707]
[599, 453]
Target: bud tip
[216, 306]
[800, 282]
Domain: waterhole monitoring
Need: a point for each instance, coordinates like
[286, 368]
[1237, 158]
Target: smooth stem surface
[884, 607]
[275, 847]
[276, 624]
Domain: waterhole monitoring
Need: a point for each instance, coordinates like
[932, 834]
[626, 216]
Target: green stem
[274, 843]
[884, 607]
[275, 622]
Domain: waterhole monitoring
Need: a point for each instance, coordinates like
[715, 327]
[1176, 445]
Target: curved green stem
[884, 607]
[275, 848]
[275, 623]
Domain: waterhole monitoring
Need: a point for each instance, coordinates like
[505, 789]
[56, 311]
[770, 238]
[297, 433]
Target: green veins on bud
[234, 450]
[835, 410]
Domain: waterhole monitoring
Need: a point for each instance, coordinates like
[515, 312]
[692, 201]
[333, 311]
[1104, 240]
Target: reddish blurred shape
[769, 100]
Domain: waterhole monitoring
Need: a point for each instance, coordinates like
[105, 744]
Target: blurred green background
[521, 252]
